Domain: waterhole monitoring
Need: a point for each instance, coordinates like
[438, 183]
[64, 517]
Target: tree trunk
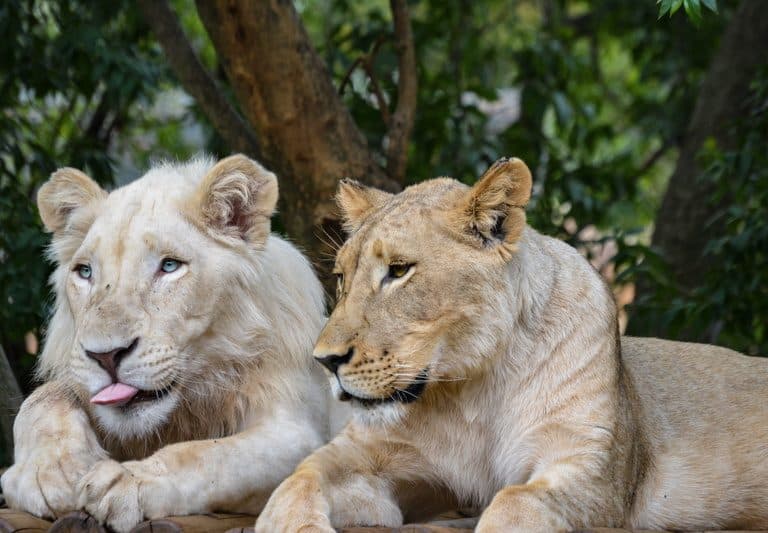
[287, 94]
[10, 401]
[160, 17]
[681, 230]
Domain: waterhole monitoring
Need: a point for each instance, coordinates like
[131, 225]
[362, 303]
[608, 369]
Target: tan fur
[229, 333]
[529, 410]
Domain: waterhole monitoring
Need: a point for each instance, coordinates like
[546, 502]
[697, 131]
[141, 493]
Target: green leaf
[675, 6]
[710, 4]
[693, 8]
[664, 6]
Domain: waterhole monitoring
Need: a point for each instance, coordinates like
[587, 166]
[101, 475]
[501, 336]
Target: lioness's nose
[111, 359]
[333, 361]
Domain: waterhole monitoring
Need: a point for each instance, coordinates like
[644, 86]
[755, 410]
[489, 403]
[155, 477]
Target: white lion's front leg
[54, 448]
[235, 473]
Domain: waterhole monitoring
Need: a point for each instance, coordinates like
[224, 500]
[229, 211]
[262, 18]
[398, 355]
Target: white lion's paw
[43, 485]
[110, 493]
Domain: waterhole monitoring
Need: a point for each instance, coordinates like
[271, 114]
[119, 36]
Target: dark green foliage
[70, 72]
[731, 307]
[692, 7]
[603, 99]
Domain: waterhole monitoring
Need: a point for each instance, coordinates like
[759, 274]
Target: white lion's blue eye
[84, 271]
[170, 265]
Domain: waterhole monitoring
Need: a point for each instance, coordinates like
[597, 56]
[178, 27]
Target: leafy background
[595, 95]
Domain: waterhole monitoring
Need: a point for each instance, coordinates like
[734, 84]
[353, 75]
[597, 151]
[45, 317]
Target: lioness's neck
[551, 364]
[553, 293]
[552, 311]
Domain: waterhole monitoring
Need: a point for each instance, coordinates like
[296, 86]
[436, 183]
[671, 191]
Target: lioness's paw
[518, 509]
[44, 484]
[110, 493]
[296, 505]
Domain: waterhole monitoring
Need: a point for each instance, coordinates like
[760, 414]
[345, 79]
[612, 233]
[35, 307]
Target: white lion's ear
[237, 198]
[66, 191]
[493, 210]
[356, 201]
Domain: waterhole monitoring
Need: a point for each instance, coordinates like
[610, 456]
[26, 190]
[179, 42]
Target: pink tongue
[117, 393]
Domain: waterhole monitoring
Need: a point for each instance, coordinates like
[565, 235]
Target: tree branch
[347, 79]
[654, 157]
[195, 78]
[381, 102]
[366, 61]
[401, 124]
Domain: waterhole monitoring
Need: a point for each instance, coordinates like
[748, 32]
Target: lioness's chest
[472, 446]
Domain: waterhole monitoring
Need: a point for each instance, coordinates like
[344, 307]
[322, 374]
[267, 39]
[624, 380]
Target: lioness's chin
[385, 414]
[383, 411]
[137, 419]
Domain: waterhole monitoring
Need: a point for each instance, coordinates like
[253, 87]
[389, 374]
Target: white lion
[177, 365]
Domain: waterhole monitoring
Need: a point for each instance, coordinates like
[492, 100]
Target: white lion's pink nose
[110, 360]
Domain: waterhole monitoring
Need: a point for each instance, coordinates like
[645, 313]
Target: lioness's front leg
[55, 446]
[347, 482]
[235, 473]
[567, 494]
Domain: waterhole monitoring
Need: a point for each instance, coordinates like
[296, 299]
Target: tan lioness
[483, 358]
[178, 368]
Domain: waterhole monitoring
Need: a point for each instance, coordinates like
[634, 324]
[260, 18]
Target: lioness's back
[703, 413]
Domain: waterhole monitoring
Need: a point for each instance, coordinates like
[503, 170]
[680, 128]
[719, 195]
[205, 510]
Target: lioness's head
[144, 281]
[417, 281]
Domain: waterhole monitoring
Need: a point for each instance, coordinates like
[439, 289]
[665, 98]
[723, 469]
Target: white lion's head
[155, 286]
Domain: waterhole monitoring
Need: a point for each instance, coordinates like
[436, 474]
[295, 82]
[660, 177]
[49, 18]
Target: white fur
[231, 332]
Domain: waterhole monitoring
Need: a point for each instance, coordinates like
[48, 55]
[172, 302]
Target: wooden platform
[12, 521]
[18, 522]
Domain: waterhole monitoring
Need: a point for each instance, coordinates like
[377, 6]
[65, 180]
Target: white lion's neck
[267, 322]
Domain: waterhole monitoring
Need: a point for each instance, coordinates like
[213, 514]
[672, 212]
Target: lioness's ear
[356, 201]
[238, 197]
[494, 208]
[66, 191]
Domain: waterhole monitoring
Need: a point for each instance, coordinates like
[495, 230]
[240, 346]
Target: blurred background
[645, 124]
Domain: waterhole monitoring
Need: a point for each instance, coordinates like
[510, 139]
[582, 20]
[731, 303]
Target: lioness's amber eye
[170, 265]
[84, 271]
[398, 270]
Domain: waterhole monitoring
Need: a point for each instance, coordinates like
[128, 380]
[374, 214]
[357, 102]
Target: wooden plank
[411, 528]
[600, 530]
[451, 526]
[214, 523]
[12, 521]
[77, 522]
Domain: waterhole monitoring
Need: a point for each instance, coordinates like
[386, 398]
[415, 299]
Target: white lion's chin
[139, 420]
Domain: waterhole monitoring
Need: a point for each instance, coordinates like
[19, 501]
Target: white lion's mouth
[149, 395]
[125, 396]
